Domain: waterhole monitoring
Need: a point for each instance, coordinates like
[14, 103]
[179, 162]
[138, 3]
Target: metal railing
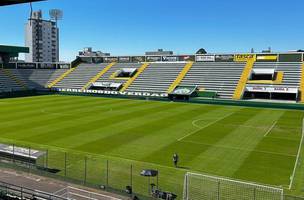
[26, 193]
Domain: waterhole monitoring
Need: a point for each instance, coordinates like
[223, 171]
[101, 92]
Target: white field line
[202, 127]
[240, 149]
[234, 125]
[89, 196]
[298, 155]
[268, 131]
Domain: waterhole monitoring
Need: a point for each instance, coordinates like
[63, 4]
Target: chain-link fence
[112, 174]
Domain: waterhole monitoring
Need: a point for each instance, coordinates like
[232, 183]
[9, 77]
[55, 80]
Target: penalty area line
[268, 131]
[298, 155]
[207, 125]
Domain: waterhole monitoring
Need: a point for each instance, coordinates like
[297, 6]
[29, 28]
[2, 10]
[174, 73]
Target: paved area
[53, 186]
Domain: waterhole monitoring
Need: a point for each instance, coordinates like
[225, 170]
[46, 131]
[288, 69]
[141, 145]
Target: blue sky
[130, 27]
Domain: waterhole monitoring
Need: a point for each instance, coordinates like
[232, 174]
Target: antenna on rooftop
[56, 14]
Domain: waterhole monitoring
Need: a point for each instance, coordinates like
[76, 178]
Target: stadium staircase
[243, 80]
[158, 77]
[16, 79]
[97, 76]
[80, 76]
[220, 77]
[7, 84]
[59, 78]
[180, 77]
[302, 84]
[140, 70]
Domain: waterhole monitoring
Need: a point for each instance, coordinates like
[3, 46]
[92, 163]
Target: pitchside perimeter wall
[294, 106]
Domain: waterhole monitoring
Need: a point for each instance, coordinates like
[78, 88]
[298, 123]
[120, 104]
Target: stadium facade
[264, 76]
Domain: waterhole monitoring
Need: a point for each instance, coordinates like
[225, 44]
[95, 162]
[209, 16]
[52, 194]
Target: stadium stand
[10, 83]
[239, 90]
[37, 78]
[157, 77]
[118, 66]
[140, 70]
[98, 75]
[291, 72]
[59, 77]
[82, 74]
[180, 77]
[221, 77]
[275, 80]
[302, 84]
[235, 77]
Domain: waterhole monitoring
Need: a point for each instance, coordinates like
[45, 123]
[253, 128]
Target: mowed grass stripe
[130, 123]
[110, 124]
[283, 148]
[164, 134]
[89, 124]
[288, 126]
[23, 100]
[288, 142]
[148, 131]
[38, 116]
[35, 109]
[33, 103]
[227, 161]
[189, 152]
[137, 127]
[56, 122]
[162, 124]
[203, 127]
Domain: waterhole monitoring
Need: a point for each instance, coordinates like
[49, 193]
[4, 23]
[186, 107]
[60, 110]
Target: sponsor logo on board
[106, 92]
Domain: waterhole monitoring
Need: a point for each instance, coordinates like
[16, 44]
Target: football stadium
[160, 126]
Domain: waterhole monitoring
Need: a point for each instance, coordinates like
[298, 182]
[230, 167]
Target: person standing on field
[175, 159]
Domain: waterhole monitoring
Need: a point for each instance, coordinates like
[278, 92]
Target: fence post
[65, 164]
[47, 159]
[131, 176]
[218, 190]
[186, 187]
[29, 159]
[157, 177]
[85, 170]
[107, 181]
[14, 153]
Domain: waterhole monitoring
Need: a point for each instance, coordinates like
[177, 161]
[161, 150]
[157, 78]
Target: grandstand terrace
[228, 76]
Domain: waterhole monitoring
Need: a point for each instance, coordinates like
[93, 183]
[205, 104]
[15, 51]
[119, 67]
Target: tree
[201, 51]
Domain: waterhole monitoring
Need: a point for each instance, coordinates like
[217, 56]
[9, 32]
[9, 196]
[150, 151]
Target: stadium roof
[10, 2]
[13, 51]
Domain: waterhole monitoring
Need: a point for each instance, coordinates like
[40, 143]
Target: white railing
[73, 193]
[41, 65]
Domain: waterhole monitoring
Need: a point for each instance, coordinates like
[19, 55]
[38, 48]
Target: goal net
[204, 187]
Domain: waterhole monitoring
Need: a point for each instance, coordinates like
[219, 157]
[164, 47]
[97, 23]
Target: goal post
[206, 187]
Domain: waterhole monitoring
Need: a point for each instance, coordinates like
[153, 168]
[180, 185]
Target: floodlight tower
[56, 14]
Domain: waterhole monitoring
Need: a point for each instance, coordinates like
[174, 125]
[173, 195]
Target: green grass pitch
[252, 144]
